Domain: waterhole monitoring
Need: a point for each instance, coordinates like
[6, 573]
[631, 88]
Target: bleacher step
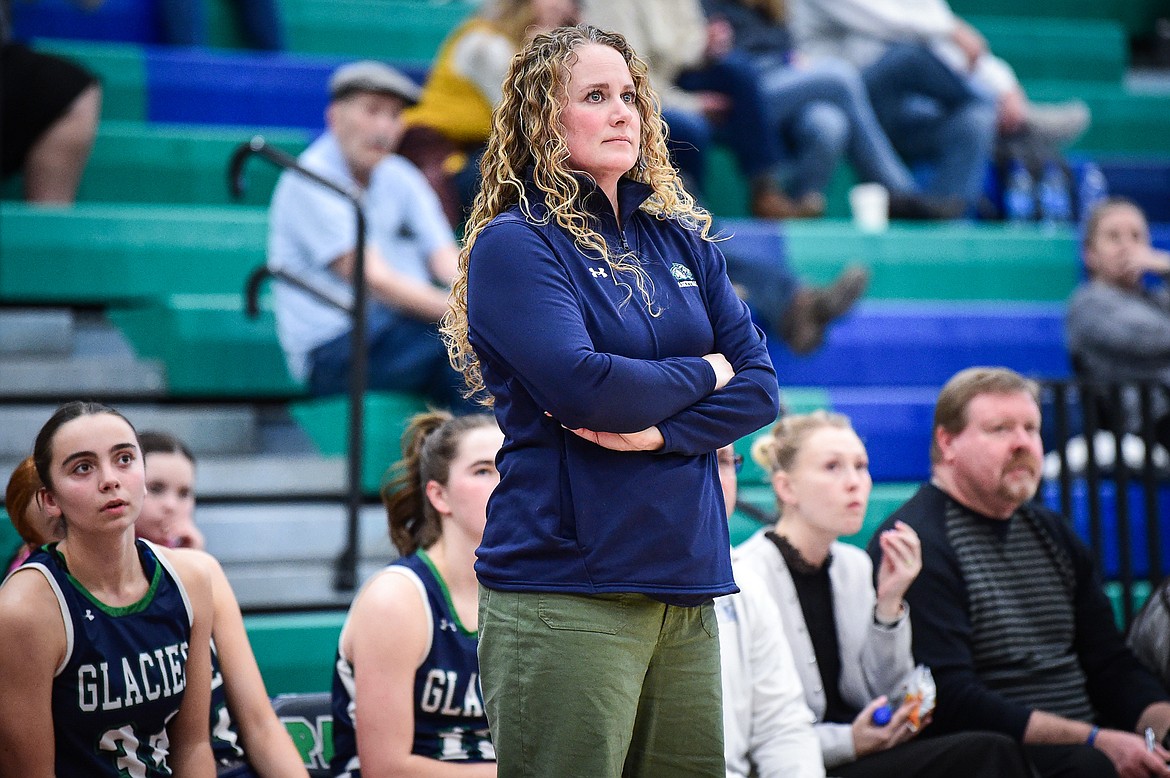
[40, 331]
[285, 555]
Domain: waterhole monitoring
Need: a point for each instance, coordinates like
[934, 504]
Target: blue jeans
[404, 355]
[822, 114]
[745, 129]
[933, 115]
[184, 23]
[757, 265]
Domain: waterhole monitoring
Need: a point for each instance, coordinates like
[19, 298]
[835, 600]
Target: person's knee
[973, 125]
[840, 79]
[825, 127]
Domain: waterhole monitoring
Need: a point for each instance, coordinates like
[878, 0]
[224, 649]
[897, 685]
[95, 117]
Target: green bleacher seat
[954, 261]
[1072, 49]
[137, 162]
[98, 254]
[1136, 16]
[295, 651]
[209, 346]
[387, 29]
[122, 71]
[1124, 120]
[1138, 596]
[385, 416]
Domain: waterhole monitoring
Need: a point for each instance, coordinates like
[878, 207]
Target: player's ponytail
[429, 444]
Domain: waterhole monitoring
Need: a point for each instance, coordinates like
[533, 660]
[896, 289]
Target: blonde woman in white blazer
[851, 640]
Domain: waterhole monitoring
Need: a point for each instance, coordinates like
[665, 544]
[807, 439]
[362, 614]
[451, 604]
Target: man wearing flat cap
[410, 251]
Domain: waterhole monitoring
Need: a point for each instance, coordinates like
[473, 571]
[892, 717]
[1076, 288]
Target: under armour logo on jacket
[598, 272]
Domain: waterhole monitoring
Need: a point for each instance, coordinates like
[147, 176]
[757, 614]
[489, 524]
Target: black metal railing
[1110, 446]
[346, 568]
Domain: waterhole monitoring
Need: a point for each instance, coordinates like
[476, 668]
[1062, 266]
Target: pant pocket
[605, 614]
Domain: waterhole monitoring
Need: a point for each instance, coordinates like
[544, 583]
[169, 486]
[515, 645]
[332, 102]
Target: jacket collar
[631, 194]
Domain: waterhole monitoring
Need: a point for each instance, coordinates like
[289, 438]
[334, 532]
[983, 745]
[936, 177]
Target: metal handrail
[346, 567]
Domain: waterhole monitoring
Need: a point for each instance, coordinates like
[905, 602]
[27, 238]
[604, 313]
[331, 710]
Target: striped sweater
[1010, 616]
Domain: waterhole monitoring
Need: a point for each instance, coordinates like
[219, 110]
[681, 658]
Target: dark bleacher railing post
[1089, 396]
[1117, 419]
[346, 568]
[1150, 488]
[1060, 409]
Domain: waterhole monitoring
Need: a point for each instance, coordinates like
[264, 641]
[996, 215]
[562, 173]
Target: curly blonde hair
[527, 134]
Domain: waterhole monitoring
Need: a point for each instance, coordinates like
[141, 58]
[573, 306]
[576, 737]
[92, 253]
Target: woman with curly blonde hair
[594, 309]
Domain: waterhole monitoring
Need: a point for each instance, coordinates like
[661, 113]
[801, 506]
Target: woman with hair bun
[406, 697]
[848, 628]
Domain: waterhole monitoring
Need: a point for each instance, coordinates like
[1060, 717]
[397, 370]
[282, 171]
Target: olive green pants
[600, 686]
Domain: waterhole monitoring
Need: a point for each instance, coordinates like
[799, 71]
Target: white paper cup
[870, 204]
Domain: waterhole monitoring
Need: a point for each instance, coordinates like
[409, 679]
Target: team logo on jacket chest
[683, 275]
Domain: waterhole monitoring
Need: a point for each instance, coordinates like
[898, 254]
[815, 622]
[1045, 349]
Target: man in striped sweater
[1008, 610]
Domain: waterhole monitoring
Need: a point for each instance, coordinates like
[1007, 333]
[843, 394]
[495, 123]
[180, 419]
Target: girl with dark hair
[406, 691]
[111, 671]
[247, 738]
[168, 515]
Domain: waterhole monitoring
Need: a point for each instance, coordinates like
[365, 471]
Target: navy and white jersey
[449, 722]
[225, 738]
[124, 671]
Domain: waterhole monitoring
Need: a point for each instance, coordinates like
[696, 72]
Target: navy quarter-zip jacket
[563, 344]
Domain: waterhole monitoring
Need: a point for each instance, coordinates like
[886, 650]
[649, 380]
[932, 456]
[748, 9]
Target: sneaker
[768, 202]
[1057, 124]
[812, 309]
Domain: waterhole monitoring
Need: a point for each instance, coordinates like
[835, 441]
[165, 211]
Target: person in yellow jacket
[448, 128]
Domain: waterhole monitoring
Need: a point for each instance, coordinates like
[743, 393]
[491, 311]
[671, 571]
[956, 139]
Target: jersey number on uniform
[127, 745]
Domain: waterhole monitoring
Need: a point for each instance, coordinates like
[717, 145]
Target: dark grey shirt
[1021, 586]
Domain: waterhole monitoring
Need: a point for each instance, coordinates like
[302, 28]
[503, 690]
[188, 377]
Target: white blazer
[767, 727]
[874, 658]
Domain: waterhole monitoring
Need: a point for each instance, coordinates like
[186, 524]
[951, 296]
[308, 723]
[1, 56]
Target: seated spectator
[851, 639]
[406, 693]
[247, 738]
[168, 513]
[49, 109]
[1118, 328]
[28, 512]
[767, 728]
[799, 314]
[447, 130]
[1008, 610]
[1149, 635]
[708, 92]
[410, 256]
[821, 112]
[931, 111]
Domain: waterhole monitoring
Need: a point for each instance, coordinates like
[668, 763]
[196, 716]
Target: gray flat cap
[371, 76]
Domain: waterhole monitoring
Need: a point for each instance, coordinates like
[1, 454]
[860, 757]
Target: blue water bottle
[1092, 189]
[1055, 204]
[1019, 203]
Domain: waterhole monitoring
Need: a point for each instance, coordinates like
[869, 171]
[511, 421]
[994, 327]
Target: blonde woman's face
[829, 483]
[600, 118]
